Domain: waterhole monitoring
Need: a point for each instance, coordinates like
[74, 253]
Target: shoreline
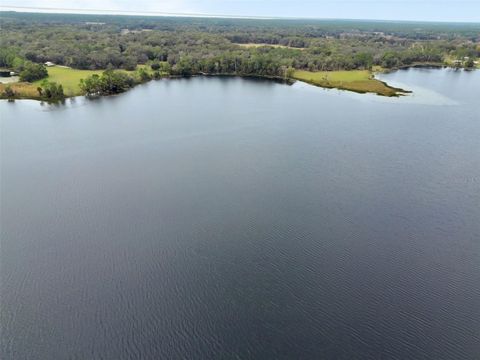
[21, 96]
[393, 91]
[288, 81]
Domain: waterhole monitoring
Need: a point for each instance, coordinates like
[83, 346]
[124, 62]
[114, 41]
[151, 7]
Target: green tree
[51, 91]
[290, 72]
[165, 68]
[143, 75]
[32, 72]
[469, 63]
[91, 85]
[110, 82]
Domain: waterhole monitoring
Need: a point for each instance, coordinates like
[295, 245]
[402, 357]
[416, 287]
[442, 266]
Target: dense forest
[196, 45]
[189, 46]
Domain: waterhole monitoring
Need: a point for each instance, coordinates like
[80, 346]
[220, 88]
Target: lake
[229, 218]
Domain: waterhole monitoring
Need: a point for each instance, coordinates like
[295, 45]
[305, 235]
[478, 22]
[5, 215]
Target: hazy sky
[431, 10]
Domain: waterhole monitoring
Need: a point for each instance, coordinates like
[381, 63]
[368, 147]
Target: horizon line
[111, 12]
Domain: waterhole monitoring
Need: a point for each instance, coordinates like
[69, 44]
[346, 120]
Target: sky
[416, 10]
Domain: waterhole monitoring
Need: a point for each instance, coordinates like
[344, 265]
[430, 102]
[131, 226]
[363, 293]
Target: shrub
[8, 92]
[32, 72]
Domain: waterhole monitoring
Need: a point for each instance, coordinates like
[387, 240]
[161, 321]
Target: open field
[68, 77]
[255, 45]
[361, 81]
[23, 90]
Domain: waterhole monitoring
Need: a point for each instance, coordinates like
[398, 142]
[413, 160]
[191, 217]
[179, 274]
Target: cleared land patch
[361, 81]
[68, 77]
[255, 45]
[22, 90]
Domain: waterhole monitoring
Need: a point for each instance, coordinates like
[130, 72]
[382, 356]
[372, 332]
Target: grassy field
[68, 77]
[255, 45]
[361, 81]
[22, 89]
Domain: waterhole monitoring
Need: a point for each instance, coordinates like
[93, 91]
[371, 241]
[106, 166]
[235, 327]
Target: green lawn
[68, 77]
[361, 81]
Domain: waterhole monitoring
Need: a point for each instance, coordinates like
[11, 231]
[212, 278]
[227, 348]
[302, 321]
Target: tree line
[184, 46]
[27, 70]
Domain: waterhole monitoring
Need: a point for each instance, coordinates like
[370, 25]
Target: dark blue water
[226, 218]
